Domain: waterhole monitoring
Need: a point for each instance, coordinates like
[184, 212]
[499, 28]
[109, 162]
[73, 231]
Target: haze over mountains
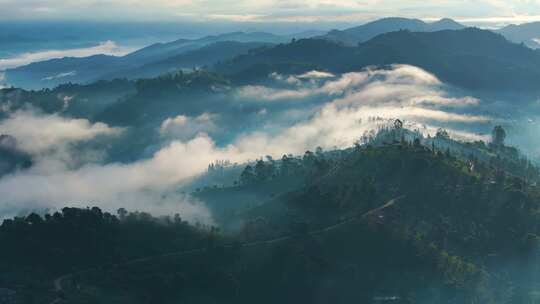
[87, 69]
[82, 70]
[527, 33]
[185, 54]
[355, 35]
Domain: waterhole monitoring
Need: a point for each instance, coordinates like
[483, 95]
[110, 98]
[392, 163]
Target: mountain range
[470, 58]
[53, 72]
[355, 35]
[354, 166]
[446, 48]
[153, 60]
[528, 33]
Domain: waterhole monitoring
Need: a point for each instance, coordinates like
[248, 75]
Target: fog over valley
[289, 114]
[263, 152]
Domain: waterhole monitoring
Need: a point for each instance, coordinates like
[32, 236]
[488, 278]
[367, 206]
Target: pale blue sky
[340, 11]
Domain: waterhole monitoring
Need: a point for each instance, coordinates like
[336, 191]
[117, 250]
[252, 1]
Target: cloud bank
[37, 134]
[348, 106]
[184, 127]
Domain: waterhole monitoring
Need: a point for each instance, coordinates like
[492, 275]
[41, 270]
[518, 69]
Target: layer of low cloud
[147, 185]
[401, 85]
[37, 134]
[360, 102]
[355, 103]
[105, 48]
[54, 181]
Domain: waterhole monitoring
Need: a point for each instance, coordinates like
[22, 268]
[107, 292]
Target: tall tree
[498, 135]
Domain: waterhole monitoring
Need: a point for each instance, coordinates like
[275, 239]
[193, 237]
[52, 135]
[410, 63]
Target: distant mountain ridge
[362, 33]
[527, 33]
[87, 69]
[376, 42]
[205, 56]
[48, 74]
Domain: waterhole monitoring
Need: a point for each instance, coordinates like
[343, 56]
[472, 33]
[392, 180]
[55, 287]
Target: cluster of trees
[85, 101]
[75, 238]
[179, 81]
[468, 224]
[309, 165]
[478, 154]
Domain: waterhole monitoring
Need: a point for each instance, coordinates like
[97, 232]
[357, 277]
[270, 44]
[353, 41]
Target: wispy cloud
[37, 133]
[404, 92]
[316, 74]
[184, 127]
[61, 75]
[64, 174]
[106, 48]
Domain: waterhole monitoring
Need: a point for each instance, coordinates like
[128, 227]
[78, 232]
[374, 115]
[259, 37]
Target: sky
[283, 11]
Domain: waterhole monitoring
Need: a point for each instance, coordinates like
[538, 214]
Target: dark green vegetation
[37, 248]
[416, 220]
[72, 100]
[169, 93]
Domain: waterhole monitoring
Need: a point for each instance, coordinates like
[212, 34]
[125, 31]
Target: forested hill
[401, 217]
[469, 58]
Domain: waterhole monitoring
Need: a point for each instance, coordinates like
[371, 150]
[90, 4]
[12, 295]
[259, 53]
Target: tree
[308, 159]
[417, 143]
[398, 124]
[260, 171]
[442, 133]
[498, 135]
[122, 212]
[248, 176]
[286, 166]
[34, 219]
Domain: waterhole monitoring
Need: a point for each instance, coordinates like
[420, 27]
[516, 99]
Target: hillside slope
[395, 220]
